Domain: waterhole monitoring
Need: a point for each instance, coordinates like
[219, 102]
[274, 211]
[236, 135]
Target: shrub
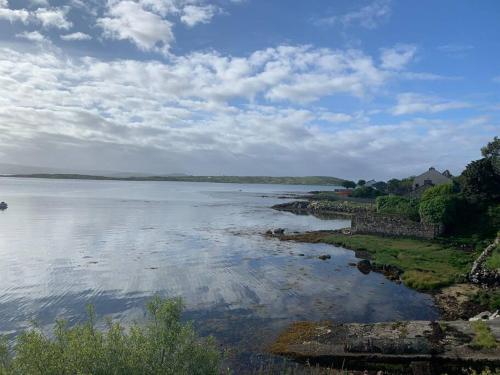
[437, 191]
[163, 346]
[438, 210]
[365, 192]
[393, 204]
[483, 338]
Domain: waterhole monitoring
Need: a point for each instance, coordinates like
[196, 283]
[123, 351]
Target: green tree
[361, 182]
[492, 149]
[348, 184]
[481, 181]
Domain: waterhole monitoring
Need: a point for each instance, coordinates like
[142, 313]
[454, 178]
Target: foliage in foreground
[426, 265]
[164, 345]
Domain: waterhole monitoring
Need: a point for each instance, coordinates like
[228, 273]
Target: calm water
[65, 243]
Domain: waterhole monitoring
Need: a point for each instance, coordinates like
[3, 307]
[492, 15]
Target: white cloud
[336, 117]
[128, 20]
[13, 15]
[195, 14]
[397, 57]
[76, 36]
[54, 17]
[177, 115]
[409, 103]
[33, 36]
[369, 16]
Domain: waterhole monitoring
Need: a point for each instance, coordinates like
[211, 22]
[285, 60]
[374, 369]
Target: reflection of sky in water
[64, 244]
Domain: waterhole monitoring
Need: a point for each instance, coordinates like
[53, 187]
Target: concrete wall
[393, 225]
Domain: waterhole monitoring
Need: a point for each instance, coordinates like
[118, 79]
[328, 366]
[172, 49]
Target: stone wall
[393, 225]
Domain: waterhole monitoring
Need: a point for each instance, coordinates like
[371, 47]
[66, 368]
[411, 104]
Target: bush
[163, 346]
[365, 192]
[393, 204]
[437, 191]
[438, 210]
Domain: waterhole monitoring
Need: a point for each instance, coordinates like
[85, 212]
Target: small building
[343, 192]
[431, 178]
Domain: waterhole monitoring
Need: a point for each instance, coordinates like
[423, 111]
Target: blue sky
[355, 89]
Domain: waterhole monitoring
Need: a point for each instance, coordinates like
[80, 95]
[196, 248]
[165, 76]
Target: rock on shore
[435, 347]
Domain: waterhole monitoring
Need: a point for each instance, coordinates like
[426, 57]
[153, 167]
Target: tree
[481, 181]
[361, 183]
[349, 184]
[400, 187]
[492, 149]
[380, 186]
[365, 192]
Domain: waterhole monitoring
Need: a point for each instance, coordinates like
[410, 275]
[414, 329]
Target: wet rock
[3, 206]
[301, 255]
[485, 315]
[292, 206]
[275, 232]
[364, 266]
[325, 257]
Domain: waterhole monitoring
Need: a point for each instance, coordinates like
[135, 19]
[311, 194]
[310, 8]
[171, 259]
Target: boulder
[364, 266]
[324, 257]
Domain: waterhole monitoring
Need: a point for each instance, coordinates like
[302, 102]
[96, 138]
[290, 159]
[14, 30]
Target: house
[431, 177]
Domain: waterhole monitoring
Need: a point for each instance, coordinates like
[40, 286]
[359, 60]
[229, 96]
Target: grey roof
[432, 175]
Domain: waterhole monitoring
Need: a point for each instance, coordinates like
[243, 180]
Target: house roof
[436, 178]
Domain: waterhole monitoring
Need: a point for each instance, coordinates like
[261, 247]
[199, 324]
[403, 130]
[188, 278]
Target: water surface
[67, 243]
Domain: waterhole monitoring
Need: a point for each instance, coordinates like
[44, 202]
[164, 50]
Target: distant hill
[309, 180]
[17, 169]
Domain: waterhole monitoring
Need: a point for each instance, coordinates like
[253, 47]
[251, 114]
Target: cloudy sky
[349, 88]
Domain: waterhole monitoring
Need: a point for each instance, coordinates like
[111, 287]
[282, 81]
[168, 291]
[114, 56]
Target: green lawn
[426, 265]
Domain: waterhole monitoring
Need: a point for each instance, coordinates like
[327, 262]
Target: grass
[163, 346]
[489, 298]
[493, 262]
[426, 265]
[483, 338]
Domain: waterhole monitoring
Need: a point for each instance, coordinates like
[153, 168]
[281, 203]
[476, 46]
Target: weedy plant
[164, 345]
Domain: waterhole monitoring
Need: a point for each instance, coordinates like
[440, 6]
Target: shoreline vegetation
[285, 180]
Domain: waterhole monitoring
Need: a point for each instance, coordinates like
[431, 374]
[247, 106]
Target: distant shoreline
[308, 180]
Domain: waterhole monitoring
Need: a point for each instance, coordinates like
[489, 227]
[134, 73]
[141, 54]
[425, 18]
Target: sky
[346, 88]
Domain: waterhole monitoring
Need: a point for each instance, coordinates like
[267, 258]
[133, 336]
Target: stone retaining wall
[393, 225]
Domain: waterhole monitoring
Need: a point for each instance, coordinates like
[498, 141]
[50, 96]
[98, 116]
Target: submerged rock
[325, 257]
[364, 266]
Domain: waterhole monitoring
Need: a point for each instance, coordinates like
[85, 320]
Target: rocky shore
[413, 347]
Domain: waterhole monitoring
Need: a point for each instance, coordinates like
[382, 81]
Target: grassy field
[493, 262]
[426, 265]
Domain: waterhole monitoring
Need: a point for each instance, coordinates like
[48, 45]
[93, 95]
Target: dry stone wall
[393, 225]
